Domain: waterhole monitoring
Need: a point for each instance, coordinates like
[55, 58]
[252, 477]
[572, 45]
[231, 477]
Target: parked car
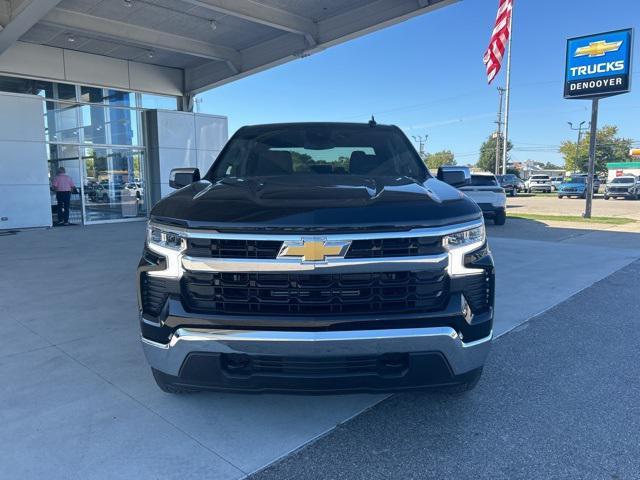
[539, 183]
[627, 186]
[555, 182]
[510, 183]
[367, 274]
[489, 195]
[596, 180]
[573, 186]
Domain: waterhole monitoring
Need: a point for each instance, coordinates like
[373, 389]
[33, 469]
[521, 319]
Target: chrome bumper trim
[333, 265]
[416, 232]
[462, 357]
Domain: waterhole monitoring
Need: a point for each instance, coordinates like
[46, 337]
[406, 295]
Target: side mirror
[181, 177]
[455, 178]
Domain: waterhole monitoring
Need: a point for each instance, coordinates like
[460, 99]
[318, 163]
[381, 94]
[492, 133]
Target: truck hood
[323, 203]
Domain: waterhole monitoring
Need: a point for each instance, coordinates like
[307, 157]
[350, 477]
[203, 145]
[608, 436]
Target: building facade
[99, 136]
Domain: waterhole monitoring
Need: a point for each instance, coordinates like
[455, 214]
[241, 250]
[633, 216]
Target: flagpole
[507, 95]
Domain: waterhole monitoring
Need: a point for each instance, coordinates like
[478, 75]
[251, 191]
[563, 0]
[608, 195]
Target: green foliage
[487, 160]
[551, 166]
[438, 159]
[609, 148]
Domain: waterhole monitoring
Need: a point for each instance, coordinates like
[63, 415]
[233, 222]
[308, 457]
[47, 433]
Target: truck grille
[395, 247]
[314, 294]
[268, 249]
[222, 248]
[153, 292]
[618, 189]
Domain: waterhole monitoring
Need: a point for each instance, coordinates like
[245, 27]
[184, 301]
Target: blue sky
[426, 76]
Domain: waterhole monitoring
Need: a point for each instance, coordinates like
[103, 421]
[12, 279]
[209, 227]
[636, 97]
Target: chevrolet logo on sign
[314, 249]
[598, 49]
[598, 65]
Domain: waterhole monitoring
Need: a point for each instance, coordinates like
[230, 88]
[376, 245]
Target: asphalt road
[558, 399]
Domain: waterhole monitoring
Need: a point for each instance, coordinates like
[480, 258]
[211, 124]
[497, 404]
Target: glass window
[67, 157]
[320, 149]
[159, 102]
[113, 184]
[91, 95]
[483, 181]
[64, 91]
[122, 99]
[61, 123]
[25, 85]
[93, 121]
[109, 126]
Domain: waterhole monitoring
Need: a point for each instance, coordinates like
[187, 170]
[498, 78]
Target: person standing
[63, 185]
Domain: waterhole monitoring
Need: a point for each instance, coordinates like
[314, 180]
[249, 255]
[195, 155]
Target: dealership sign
[598, 65]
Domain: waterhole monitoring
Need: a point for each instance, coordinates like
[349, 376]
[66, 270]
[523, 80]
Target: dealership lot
[77, 385]
[552, 205]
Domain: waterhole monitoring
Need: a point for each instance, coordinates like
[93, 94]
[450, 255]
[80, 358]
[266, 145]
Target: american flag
[499, 37]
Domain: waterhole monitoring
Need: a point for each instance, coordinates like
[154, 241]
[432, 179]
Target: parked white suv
[485, 190]
[539, 183]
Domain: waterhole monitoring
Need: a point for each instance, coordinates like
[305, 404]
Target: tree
[487, 160]
[551, 166]
[609, 148]
[438, 159]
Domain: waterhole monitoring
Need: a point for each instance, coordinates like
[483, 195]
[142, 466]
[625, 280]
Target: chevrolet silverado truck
[316, 257]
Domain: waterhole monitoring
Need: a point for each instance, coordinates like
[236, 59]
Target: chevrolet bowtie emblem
[598, 49]
[314, 249]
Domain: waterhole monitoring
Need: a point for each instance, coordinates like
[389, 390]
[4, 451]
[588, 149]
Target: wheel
[513, 192]
[500, 217]
[168, 387]
[467, 386]
[560, 196]
[606, 197]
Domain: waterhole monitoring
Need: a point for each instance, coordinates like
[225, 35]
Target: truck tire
[168, 387]
[500, 217]
[606, 197]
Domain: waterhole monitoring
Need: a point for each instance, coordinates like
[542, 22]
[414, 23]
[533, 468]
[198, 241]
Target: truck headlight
[460, 244]
[164, 238]
[472, 236]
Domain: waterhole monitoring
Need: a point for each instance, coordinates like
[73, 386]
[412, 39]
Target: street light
[579, 129]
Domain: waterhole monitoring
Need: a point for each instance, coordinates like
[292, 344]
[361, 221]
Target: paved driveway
[548, 205]
[78, 400]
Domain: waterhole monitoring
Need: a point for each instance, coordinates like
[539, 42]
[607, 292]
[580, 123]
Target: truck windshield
[282, 150]
[483, 181]
[574, 180]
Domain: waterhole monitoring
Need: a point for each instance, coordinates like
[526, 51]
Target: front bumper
[377, 351]
[625, 193]
[342, 361]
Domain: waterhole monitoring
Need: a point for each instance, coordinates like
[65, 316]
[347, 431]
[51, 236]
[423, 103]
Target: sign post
[597, 66]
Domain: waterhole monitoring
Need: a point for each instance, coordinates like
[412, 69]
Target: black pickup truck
[316, 257]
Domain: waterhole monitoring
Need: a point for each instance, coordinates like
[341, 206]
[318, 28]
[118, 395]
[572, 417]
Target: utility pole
[579, 130]
[592, 156]
[420, 140]
[499, 132]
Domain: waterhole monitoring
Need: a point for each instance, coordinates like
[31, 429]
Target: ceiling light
[150, 53]
[127, 3]
[213, 24]
[71, 38]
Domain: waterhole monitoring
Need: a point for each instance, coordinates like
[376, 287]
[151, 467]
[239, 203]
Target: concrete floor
[78, 400]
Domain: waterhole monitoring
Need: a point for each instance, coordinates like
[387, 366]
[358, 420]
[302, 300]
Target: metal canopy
[212, 41]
